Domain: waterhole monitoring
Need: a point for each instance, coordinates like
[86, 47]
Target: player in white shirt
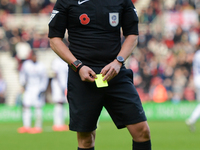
[34, 79]
[196, 74]
[59, 90]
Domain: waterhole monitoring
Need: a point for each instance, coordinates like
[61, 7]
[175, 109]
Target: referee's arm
[128, 46]
[59, 47]
[112, 69]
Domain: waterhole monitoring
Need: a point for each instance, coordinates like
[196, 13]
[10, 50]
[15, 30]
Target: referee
[95, 48]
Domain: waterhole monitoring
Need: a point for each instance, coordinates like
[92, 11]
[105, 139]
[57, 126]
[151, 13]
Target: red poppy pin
[84, 19]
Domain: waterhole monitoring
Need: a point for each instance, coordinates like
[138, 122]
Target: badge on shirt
[114, 19]
[53, 14]
[135, 11]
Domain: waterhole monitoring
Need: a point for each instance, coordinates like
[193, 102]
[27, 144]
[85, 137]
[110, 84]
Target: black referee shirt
[93, 27]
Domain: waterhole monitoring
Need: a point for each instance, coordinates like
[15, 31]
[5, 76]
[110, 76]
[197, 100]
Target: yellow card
[99, 81]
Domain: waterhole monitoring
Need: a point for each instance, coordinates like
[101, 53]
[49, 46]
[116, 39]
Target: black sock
[86, 148]
[142, 145]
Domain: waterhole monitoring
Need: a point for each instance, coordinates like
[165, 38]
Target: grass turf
[166, 135]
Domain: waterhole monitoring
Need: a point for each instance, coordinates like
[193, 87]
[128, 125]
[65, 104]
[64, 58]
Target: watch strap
[79, 67]
[74, 65]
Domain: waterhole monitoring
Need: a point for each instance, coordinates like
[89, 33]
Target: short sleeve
[58, 20]
[129, 19]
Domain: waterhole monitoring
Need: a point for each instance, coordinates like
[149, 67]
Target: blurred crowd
[162, 61]
[26, 6]
[9, 37]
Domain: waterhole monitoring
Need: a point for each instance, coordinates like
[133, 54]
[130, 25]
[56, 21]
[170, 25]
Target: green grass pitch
[166, 135]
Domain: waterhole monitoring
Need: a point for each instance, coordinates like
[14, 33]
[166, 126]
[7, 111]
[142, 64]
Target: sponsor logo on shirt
[114, 19]
[81, 2]
[53, 14]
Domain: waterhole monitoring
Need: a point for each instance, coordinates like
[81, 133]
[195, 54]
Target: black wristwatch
[76, 65]
[120, 59]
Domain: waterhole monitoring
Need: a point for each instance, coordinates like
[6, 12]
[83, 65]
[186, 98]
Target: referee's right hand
[87, 74]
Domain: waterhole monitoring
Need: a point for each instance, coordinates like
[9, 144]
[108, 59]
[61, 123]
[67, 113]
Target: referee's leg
[140, 133]
[86, 140]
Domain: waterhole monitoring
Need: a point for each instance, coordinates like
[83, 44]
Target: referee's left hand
[111, 70]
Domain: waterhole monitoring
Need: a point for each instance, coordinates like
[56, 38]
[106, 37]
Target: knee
[140, 132]
[86, 140]
[87, 143]
[145, 133]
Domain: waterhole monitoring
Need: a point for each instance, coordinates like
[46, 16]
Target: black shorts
[120, 99]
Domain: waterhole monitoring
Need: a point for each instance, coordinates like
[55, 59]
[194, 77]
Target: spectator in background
[196, 72]
[150, 15]
[168, 40]
[7, 6]
[59, 89]
[133, 63]
[34, 80]
[189, 92]
[178, 84]
[158, 92]
[23, 51]
[178, 35]
[40, 40]
[4, 45]
[2, 89]
[146, 76]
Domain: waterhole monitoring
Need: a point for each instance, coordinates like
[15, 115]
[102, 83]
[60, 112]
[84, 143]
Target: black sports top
[93, 27]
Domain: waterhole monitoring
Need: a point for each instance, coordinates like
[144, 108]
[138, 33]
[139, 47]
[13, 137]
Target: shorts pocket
[130, 74]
